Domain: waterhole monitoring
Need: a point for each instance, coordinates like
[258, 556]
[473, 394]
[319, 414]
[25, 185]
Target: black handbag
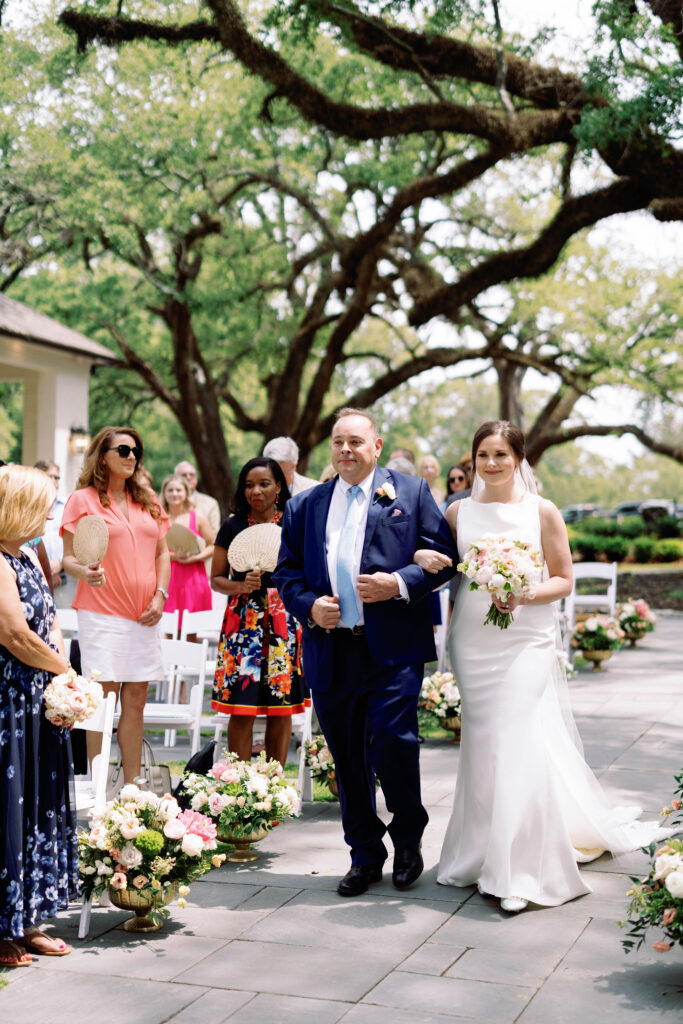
[200, 764]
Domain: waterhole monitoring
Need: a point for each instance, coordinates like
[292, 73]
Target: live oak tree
[277, 179]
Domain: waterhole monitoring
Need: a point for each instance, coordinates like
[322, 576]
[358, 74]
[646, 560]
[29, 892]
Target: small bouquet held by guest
[242, 797]
[440, 695]
[71, 698]
[598, 633]
[145, 842]
[505, 568]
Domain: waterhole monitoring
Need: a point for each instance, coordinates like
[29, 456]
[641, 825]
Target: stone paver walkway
[271, 941]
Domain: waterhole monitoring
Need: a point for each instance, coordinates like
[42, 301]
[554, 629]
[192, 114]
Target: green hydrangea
[149, 842]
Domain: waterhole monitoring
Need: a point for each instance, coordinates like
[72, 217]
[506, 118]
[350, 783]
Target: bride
[527, 807]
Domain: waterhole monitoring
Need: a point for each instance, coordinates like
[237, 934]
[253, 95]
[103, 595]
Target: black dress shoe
[408, 866]
[358, 878]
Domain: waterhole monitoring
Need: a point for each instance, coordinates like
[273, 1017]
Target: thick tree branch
[143, 368]
[673, 451]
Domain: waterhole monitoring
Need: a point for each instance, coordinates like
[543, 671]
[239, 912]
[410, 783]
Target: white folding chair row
[180, 658]
[91, 792]
[604, 599]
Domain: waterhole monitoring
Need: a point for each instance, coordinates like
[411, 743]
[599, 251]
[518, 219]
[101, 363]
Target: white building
[54, 364]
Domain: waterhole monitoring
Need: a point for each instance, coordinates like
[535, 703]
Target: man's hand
[325, 611]
[377, 586]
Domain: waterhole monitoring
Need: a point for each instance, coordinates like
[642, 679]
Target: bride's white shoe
[513, 904]
[480, 890]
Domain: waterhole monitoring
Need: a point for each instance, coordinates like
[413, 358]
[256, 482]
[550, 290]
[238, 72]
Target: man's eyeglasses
[124, 451]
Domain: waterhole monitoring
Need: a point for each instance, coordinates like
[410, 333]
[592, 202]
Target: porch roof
[20, 321]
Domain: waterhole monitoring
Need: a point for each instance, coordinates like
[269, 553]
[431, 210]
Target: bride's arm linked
[558, 560]
[434, 561]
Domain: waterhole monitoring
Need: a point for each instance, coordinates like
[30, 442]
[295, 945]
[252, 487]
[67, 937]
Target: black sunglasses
[456, 479]
[124, 451]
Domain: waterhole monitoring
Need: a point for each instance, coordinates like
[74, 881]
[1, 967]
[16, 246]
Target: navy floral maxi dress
[38, 847]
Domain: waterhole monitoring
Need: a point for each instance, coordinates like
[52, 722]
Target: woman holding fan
[120, 598]
[258, 670]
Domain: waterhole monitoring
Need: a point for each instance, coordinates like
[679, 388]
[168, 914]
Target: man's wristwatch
[163, 592]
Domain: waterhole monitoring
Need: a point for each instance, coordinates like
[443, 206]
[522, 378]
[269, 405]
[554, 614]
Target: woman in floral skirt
[258, 669]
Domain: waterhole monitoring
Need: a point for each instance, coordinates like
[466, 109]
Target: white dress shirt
[333, 528]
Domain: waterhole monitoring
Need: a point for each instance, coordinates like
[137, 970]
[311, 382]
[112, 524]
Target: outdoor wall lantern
[79, 439]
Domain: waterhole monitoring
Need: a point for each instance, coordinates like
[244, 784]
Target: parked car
[623, 509]
[574, 513]
[650, 509]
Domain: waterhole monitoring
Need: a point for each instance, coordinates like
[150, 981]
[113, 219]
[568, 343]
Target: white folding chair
[180, 658]
[67, 619]
[305, 780]
[91, 792]
[604, 599]
[205, 625]
[169, 628]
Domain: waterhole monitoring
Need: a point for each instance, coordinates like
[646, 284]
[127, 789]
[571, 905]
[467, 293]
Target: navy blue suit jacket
[397, 632]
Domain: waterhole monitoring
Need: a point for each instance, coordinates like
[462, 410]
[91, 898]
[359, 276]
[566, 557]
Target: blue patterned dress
[38, 850]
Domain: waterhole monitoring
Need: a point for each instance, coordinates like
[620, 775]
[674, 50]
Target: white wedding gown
[526, 806]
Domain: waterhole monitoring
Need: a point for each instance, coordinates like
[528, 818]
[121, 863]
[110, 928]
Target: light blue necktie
[347, 545]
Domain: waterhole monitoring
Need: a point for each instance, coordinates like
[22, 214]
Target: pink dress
[188, 588]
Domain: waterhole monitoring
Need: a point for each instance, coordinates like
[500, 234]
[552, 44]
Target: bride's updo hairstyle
[512, 434]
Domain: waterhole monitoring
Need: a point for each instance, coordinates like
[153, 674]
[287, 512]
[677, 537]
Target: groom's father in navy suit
[346, 572]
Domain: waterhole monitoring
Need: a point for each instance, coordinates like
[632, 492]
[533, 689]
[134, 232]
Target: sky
[637, 237]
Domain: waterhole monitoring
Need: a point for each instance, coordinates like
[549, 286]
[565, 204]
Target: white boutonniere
[387, 491]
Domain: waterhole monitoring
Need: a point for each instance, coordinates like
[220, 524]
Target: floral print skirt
[258, 667]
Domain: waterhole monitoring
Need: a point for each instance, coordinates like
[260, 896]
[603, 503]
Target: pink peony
[231, 774]
[140, 881]
[217, 769]
[174, 828]
[642, 608]
[118, 880]
[198, 825]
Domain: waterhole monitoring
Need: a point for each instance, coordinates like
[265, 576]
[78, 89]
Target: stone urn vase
[142, 904]
[454, 724]
[597, 657]
[243, 851]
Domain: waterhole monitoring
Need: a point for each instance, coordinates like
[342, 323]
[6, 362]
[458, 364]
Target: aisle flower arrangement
[636, 618]
[318, 758]
[657, 901]
[440, 696]
[243, 798]
[146, 843]
[598, 633]
[504, 568]
[70, 698]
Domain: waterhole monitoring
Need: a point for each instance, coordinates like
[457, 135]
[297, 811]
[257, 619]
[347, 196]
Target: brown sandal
[48, 947]
[12, 954]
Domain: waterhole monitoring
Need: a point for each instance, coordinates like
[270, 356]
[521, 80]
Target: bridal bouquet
[504, 568]
[71, 698]
[243, 797]
[145, 842]
[657, 901]
[440, 696]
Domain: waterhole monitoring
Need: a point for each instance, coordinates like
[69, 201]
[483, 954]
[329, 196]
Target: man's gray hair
[185, 462]
[401, 465]
[282, 449]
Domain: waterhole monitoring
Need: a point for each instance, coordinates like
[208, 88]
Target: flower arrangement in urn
[657, 901]
[245, 799]
[145, 844]
[598, 633]
[636, 618]
[318, 758]
[440, 696]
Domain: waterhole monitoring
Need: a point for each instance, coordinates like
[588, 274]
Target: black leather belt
[358, 630]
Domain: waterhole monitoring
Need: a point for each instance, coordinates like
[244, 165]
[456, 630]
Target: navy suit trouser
[369, 718]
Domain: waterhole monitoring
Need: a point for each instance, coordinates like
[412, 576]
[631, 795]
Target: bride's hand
[507, 604]
[431, 561]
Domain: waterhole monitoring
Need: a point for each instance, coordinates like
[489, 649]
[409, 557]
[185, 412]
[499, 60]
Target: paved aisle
[272, 942]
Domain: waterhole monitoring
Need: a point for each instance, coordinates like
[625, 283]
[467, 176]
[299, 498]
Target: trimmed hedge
[595, 537]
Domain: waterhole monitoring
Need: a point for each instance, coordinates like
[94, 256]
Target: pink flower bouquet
[504, 568]
[71, 698]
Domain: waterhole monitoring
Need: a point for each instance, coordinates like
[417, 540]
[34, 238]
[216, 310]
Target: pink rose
[661, 947]
[174, 828]
[230, 774]
[140, 881]
[217, 769]
[676, 805]
[198, 825]
[114, 853]
[118, 880]
[669, 915]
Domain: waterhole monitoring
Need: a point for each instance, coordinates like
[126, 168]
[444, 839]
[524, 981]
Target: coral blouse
[130, 562]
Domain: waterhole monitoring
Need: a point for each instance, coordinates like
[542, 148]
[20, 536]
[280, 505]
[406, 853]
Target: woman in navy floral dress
[38, 852]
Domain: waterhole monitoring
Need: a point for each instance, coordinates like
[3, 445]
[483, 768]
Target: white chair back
[205, 625]
[169, 624]
[67, 619]
[91, 794]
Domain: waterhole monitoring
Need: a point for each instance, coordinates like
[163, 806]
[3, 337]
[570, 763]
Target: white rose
[192, 845]
[497, 582]
[591, 624]
[482, 576]
[627, 610]
[130, 857]
[129, 792]
[169, 807]
[131, 827]
[665, 863]
[674, 883]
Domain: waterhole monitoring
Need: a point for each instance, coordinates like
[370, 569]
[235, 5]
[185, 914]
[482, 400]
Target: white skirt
[121, 650]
